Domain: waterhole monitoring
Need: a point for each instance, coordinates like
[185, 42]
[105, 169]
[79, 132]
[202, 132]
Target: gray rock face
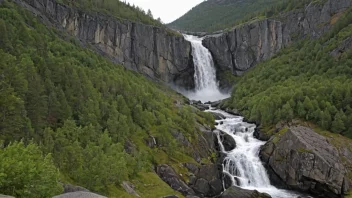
[79, 195]
[227, 140]
[129, 188]
[5, 196]
[207, 180]
[343, 47]
[152, 51]
[71, 188]
[305, 161]
[248, 44]
[235, 192]
[168, 175]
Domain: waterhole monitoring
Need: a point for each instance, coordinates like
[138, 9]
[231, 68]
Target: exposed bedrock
[303, 160]
[248, 44]
[155, 52]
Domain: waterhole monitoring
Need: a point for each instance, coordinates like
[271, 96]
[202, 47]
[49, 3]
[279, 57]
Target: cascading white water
[205, 75]
[243, 164]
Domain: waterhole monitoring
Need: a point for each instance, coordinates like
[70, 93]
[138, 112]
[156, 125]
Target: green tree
[338, 125]
[25, 172]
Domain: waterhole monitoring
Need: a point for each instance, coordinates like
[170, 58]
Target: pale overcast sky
[167, 10]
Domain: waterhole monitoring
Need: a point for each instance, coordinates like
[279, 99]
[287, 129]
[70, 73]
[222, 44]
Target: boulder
[227, 140]
[5, 196]
[260, 135]
[129, 188]
[171, 196]
[209, 180]
[71, 188]
[218, 116]
[79, 194]
[236, 192]
[305, 161]
[227, 180]
[168, 175]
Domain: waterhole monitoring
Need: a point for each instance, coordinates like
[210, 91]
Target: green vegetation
[25, 172]
[84, 111]
[115, 8]
[214, 15]
[303, 81]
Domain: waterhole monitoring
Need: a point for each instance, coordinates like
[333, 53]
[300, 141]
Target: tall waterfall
[242, 164]
[207, 88]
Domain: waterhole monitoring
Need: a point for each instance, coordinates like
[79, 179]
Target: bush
[25, 172]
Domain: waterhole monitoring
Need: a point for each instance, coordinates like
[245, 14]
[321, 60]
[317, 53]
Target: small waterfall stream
[243, 164]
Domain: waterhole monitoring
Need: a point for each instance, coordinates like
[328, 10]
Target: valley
[99, 99]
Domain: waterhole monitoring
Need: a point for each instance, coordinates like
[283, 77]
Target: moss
[150, 186]
[280, 158]
[276, 139]
[303, 150]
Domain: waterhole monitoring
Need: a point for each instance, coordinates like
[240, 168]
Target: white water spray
[243, 164]
[207, 88]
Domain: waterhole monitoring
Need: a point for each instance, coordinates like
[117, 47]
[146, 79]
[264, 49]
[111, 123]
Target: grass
[150, 186]
[303, 150]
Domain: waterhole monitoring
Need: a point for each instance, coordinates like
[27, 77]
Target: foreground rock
[227, 140]
[79, 195]
[6, 196]
[168, 175]
[71, 188]
[206, 180]
[235, 192]
[153, 51]
[305, 161]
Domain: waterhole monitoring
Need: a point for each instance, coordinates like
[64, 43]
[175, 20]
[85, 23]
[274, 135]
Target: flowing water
[206, 86]
[243, 164]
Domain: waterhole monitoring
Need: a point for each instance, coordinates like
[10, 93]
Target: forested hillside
[215, 15]
[74, 110]
[115, 8]
[311, 80]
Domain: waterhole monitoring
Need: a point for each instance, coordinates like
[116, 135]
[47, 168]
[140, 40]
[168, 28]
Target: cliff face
[306, 161]
[248, 44]
[143, 48]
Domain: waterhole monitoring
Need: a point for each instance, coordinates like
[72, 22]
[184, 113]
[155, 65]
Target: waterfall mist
[206, 86]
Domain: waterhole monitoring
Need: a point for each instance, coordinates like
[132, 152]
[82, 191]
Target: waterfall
[206, 86]
[243, 164]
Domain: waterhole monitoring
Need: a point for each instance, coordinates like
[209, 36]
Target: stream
[242, 164]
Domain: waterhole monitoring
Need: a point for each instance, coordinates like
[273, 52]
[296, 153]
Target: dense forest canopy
[305, 81]
[215, 15]
[81, 110]
[115, 8]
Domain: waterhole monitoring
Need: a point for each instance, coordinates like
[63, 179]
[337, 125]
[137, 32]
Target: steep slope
[310, 80]
[101, 124]
[245, 45]
[153, 51]
[214, 15]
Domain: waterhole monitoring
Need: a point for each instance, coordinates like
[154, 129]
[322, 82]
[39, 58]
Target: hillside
[214, 15]
[310, 80]
[82, 119]
[115, 8]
